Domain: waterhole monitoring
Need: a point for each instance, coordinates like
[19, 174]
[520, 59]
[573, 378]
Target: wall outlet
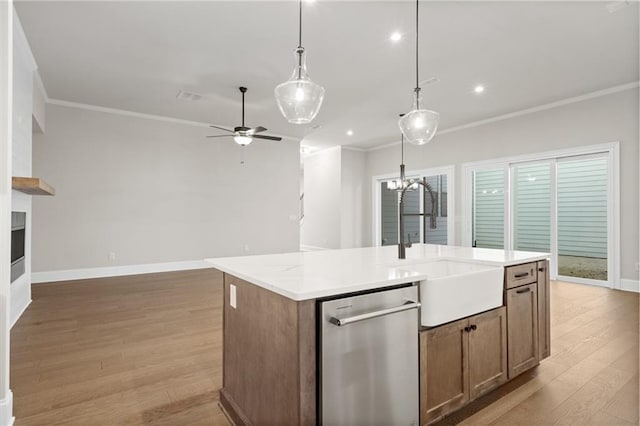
[232, 295]
[246, 248]
[112, 255]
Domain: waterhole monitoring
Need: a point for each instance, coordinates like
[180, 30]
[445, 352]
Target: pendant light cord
[300, 27]
[300, 48]
[417, 29]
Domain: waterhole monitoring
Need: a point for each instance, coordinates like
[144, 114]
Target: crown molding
[321, 151]
[134, 114]
[544, 107]
[354, 148]
[563, 102]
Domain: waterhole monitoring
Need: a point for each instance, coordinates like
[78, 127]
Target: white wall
[322, 197]
[352, 198]
[23, 70]
[334, 196]
[609, 118]
[154, 191]
[39, 103]
[6, 101]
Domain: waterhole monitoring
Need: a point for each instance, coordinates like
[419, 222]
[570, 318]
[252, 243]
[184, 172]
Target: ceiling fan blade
[221, 128]
[258, 130]
[218, 136]
[271, 138]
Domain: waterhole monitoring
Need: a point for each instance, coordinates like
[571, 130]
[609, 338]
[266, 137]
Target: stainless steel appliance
[369, 359]
[18, 238]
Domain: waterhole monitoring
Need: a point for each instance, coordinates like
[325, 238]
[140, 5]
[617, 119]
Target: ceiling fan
[243, 135]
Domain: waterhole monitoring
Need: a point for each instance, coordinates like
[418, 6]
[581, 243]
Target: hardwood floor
[591, 377]
[148, 350]
[130, 350]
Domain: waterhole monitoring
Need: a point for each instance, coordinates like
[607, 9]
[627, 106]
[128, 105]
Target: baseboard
[24, 308]
[233, 410]
[115, 271]
[305, 247]
[20, 291]
[630, 285]
[6, 410]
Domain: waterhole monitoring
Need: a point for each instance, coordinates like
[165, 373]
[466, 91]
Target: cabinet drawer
[521, 274]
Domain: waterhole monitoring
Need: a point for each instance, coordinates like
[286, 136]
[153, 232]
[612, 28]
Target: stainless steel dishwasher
[369, 359]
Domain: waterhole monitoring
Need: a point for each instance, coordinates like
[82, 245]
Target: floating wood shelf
[32, 186]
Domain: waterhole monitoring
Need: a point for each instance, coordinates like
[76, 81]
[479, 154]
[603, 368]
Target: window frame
[449, 171]
[611, 150]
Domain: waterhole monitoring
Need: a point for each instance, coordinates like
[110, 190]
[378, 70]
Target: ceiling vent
[615, 6]
[188, 96]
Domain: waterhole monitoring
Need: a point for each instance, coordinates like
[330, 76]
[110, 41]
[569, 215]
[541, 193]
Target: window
[417, 208]
[564, 203]
[488, 208]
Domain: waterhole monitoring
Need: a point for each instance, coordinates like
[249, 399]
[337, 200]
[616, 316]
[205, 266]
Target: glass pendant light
[402, 182]
[299, 99]
[418, 125]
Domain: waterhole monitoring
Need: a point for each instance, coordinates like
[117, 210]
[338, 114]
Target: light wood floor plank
[588, 379]
[147, 350]
[129, 350]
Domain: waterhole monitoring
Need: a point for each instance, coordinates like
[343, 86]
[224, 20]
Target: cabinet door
[487, 351]
[522, 328]
[544, 321]
[444, 382]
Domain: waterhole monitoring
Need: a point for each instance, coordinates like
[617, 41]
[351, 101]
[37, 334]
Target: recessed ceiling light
[478, 89]
[349, 132]
[396, 36]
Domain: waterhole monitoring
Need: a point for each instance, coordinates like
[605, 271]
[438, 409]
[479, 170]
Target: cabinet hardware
[474, 327]
[344, 321]
[524, 290]
[521, 275]
[541, 269]
[467, 329]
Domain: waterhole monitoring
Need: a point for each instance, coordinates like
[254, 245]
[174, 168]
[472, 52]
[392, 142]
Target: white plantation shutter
[582, 207]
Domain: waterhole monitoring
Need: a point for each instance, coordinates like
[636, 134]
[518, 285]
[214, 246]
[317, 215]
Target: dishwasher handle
[349, 320]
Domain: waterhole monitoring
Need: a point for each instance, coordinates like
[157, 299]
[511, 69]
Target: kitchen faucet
[402, 246]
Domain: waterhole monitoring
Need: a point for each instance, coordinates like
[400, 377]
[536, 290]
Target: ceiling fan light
[242, 140]
[299, 99]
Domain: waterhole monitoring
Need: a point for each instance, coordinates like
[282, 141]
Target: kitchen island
[272, 330]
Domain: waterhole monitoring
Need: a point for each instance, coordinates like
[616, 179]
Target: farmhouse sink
[454, 290]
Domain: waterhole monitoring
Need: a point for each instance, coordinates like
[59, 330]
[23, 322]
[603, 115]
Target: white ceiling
[137, 55]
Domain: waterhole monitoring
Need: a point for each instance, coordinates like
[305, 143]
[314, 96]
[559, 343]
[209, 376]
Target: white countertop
[315, 274]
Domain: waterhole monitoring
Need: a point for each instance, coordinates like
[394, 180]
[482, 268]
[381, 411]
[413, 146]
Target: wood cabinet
[460, 361]
[544, 320]
[522, 328]
[518, 275]
[444, 382]
[487, 351]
